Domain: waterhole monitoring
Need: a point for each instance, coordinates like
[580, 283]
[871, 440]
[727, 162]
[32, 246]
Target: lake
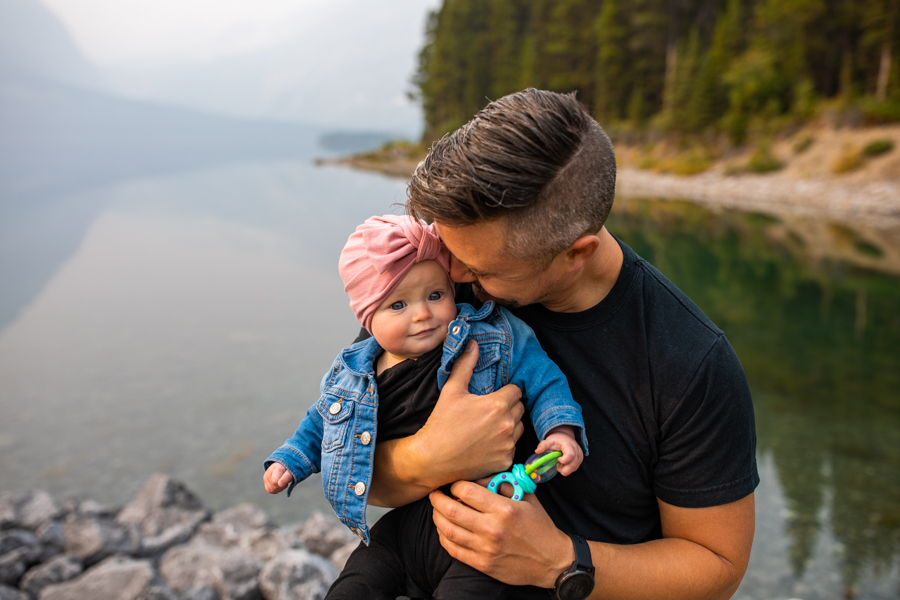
[182, 322]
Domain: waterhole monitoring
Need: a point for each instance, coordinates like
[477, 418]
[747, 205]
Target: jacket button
[365, 438]
[455, 330]
[359, 489]
[335, 408]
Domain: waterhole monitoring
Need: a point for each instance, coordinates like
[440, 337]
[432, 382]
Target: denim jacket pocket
[336, 413]
[484, 378]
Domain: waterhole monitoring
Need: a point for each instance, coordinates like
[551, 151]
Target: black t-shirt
[666, 406]
[407, 393]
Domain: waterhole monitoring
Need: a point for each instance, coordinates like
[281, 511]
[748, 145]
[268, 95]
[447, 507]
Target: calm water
[182, 324]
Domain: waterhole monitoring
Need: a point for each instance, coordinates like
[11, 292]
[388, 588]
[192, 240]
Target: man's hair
[536, 158]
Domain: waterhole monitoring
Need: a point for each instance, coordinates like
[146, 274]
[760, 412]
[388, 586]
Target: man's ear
[581, 251]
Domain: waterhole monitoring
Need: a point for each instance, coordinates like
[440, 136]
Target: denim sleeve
[545, 390]
[301, 453]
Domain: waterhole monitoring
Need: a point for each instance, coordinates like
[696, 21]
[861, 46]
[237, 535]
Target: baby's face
[414, 318]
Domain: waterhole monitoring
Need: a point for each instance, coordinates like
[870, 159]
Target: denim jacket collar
[359, 358]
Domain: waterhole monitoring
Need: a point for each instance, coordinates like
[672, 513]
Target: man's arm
[703, 554]
[466, 437]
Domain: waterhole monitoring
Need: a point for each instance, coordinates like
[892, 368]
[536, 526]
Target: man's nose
[459, 273]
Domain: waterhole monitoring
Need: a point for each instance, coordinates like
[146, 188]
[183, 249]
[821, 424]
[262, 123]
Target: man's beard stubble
[484, 297]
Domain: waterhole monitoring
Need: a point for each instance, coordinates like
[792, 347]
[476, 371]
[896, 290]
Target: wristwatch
[576, 582]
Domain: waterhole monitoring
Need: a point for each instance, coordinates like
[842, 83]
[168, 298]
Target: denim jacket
[338, 433]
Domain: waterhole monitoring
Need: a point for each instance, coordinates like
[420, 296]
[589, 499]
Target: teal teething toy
[524, 478]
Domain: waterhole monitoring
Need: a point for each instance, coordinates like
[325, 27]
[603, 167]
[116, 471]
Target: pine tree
[612, 84]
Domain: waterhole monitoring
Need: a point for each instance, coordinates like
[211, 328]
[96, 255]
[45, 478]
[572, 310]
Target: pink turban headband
[378, 256]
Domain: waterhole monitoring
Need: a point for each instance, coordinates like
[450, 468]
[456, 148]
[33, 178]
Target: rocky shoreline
[165, 544]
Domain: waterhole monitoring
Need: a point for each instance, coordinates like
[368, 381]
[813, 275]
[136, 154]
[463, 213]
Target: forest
[733, 68]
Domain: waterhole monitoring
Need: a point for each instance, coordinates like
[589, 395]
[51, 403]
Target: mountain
[34, 42]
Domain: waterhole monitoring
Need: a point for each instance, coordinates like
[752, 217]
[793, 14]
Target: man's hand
[703, 554]
[515, 542]
[466, 437]
[277, 478]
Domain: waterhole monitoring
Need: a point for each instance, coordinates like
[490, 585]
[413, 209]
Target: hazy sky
[335, 62]
[117, 32]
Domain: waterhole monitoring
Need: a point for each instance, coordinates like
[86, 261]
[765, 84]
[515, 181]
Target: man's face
[477, 258]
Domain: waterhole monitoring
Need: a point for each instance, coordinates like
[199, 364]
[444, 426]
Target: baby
[396, 272]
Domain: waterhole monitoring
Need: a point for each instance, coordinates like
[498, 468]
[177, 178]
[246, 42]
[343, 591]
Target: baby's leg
[430, 568]
[374, 571]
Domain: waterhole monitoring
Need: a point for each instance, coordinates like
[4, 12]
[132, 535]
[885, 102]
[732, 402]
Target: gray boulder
[296, 575]
[52, 534]
[166, 512]
[93, 538]
[203, 592]
[92, 508]
[247, 528]
[322, 535]
[28, 511]
[231, 572]
[19, 550]
[56, 570]
[339, 557]
[116, 578]
[8, 593]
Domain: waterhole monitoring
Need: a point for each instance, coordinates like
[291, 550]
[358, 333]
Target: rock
[52, 534]
[14, 539]
[92, 539]
[339, 557]
[56, 570]
[8, 593]
[243, 516]
[28, 511]
[323, 535]
[296, 575]
[38, 508]
[19, 550]
[116, 578]
[231, 572]
[166, 512]
[204, 592]
[9, 510]
[247, 528]
[92, 508]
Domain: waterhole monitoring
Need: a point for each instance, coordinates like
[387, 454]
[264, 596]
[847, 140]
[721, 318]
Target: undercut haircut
[537, 159]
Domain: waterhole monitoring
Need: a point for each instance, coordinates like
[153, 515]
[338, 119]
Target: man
[520, 196]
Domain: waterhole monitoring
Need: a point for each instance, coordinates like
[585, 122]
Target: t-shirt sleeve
[707, 443]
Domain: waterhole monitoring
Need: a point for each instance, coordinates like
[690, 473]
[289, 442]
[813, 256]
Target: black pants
[405, 558]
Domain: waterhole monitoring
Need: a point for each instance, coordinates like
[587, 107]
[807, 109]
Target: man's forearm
[669, 568]
[398, 478]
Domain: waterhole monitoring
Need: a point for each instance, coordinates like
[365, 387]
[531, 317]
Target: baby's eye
[398, 305]
[436, 296]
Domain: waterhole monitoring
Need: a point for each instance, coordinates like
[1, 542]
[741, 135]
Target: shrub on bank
[850, 159]
[877, 148]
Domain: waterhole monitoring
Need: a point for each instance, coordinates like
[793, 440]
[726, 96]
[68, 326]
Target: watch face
[576, 586]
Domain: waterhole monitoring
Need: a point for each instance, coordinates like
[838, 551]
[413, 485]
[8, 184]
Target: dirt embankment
[831, 176]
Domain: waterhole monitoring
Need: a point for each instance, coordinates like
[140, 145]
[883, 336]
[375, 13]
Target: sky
[343, 60]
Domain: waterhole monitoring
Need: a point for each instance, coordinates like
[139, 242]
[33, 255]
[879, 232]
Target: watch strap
[582, 553]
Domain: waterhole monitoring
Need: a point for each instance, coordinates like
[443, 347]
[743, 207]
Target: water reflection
[186, 332]
[818, 339]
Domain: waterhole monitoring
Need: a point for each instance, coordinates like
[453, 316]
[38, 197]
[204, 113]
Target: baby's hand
[277, 478]
[563, 439]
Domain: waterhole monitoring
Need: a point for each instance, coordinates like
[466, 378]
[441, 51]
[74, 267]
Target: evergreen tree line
[678, 65]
